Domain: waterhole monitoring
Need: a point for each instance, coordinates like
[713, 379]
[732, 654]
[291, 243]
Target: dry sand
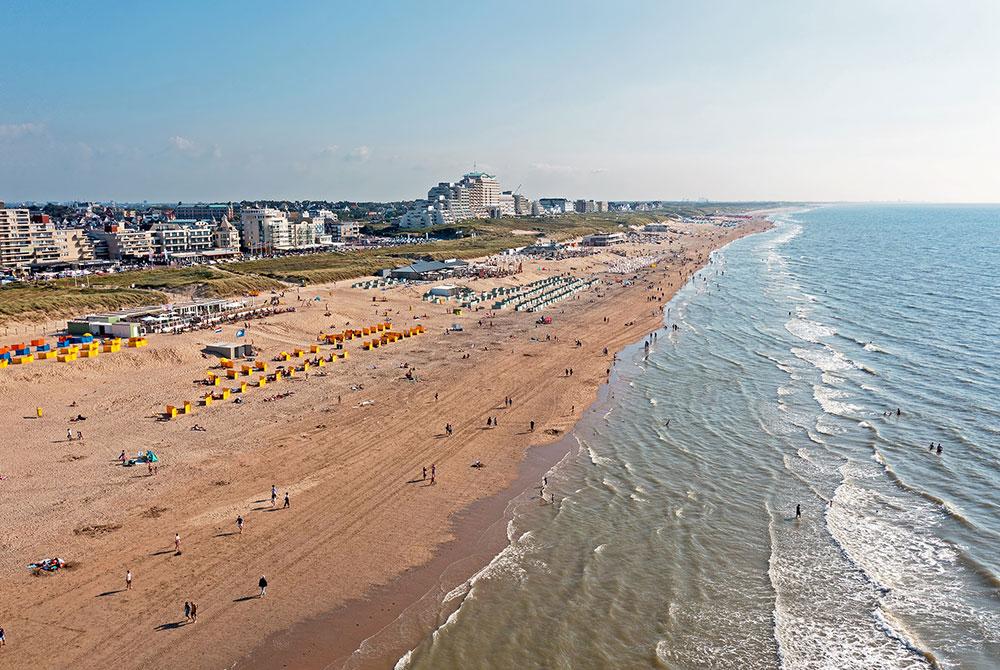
[358, 523]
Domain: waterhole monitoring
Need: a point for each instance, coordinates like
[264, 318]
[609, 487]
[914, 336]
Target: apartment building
[225, 235]
[26, 239]
[181, 237]
[265, 230]
[74, 246]
[117, 244]
[204, 212]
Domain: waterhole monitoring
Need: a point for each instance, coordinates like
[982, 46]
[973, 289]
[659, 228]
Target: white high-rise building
[484, 193]
[476, 196]
[265, 230]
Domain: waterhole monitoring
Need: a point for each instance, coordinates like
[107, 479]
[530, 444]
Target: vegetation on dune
[20, 301]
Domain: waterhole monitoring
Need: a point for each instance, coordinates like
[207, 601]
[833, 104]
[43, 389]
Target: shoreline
[413, 600]
[398, 615]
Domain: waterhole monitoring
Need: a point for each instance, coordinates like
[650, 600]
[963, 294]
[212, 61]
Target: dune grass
[23, 301]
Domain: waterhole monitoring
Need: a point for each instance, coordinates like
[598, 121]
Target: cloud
[10, 131]
[359, 154]
[328, 151]
[188, 147]
[182, 144]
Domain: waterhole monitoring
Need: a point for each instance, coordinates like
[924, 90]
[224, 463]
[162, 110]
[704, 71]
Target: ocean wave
[809, 331]
[831, 400]
[404, 661]
[892, 540]
[826, 359]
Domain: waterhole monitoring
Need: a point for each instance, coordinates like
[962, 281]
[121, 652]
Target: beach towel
[47, 564]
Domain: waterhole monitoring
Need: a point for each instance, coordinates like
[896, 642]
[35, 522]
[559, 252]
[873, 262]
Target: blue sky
[801, 99]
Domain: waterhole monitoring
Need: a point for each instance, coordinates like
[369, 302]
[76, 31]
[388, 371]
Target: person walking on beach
[177, 543]
[69, 434]
[274, 494]
[262, 583]
[798, 511]
[194, 612]
[3, 638]
[423, 474]
[531, 426]
[128, 579]
[287, 503]
[187, 610]
[239, 523]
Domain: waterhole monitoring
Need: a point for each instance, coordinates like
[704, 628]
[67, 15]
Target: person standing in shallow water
[798, 511]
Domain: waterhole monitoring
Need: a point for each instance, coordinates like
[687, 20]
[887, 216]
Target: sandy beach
[365, 535]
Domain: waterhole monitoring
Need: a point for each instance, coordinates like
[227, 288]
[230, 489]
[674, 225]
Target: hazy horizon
[791, 102]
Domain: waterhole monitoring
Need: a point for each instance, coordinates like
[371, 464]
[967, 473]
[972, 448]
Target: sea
[816, 366]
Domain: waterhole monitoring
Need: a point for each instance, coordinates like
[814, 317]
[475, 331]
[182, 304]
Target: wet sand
[364, 537]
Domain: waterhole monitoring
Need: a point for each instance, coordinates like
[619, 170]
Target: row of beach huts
[66, 349]
[230, 369]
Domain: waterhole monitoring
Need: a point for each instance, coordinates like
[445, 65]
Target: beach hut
[243, 387]
[171, 411]
[225, 394]
[246, 370]
[187, 407]
[321, 363]
[22, 360]
[228, 350]
[207, 400]
[262, 382]
[313, 348]
[260, 365]
[232, 374]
